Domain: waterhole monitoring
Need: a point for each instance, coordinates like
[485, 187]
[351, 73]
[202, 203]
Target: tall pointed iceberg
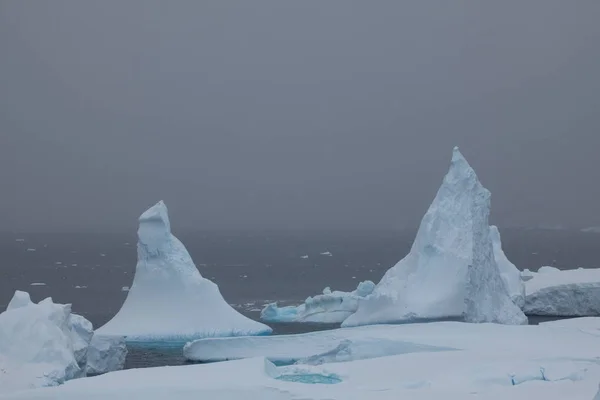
[431, 281]
[169, 300]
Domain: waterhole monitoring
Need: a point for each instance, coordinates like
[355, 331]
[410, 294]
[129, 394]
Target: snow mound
[566, 293]
[36, 346]
[106, 354]
[329, 307]
[169, 301]
[431, 281]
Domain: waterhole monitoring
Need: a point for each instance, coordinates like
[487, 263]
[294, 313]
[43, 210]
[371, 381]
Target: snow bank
[431, 281]
[36, 346]
[567, 293]
[329, 307]
[106, 354]
[169, 301]
[528, 363]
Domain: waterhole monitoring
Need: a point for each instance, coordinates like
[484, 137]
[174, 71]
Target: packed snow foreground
[169, 301]
[45, 344]
[440, 360]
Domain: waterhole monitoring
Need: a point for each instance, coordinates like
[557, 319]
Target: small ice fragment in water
[125, 289]
[38, 284]
[102, 255]
[19, 240]
[80, 287]
[30, 249]
[304, 257]
[326, 253]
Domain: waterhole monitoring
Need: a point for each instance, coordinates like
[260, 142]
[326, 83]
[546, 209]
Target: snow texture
[430, 282]
[106, 354]
[487, 298]
[329, 307]
[524, 362]
[36, 346]
[567, 293]
[169, 301]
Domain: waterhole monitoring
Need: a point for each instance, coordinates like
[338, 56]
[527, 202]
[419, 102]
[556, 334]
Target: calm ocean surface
[251, 269]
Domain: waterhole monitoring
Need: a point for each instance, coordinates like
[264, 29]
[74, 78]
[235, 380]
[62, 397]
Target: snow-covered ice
[36, 346]
[329, 307]
[567, 293]
[431, 281]
[106, 354]
[447, 335]
[523, 363]
[169, 301]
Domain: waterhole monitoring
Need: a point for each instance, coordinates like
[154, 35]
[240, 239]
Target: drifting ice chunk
[35, 345]
[326, 253]
[106, 354]
[169, 300]
[487, 299]
[329, 307]
[567, 293]
[430, 282]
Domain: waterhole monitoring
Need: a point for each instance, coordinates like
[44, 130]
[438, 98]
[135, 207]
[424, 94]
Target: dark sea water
[252, 269]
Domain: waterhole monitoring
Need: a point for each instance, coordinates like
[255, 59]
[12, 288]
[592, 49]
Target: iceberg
[431, 281]
[169, 301]
[487, 298]
[509, 272]
[563, 293]
[36, 346]
[106, 354]
[329, 307]
[81, 336]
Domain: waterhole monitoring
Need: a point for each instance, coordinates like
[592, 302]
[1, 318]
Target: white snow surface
[524, 362]
[36, 346]
[329, 307]
[431, 281]
[567, 293]
[106, 354]
[169, 300]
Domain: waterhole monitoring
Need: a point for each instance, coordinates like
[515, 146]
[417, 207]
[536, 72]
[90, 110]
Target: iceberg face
[487, 299]
[169, 300]
[81, 335]
[567, 293]
[329, 307]
[35, 345]
[510, 274]
[106, 354]
[19, 299]
[430, 282]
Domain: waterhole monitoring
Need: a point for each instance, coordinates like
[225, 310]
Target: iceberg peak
[169, 301]
[431, 282]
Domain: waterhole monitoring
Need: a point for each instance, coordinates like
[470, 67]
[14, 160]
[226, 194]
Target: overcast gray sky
[303, 114]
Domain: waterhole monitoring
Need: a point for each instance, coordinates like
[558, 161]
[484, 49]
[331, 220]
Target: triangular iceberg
[169, 301]
[431, 281]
